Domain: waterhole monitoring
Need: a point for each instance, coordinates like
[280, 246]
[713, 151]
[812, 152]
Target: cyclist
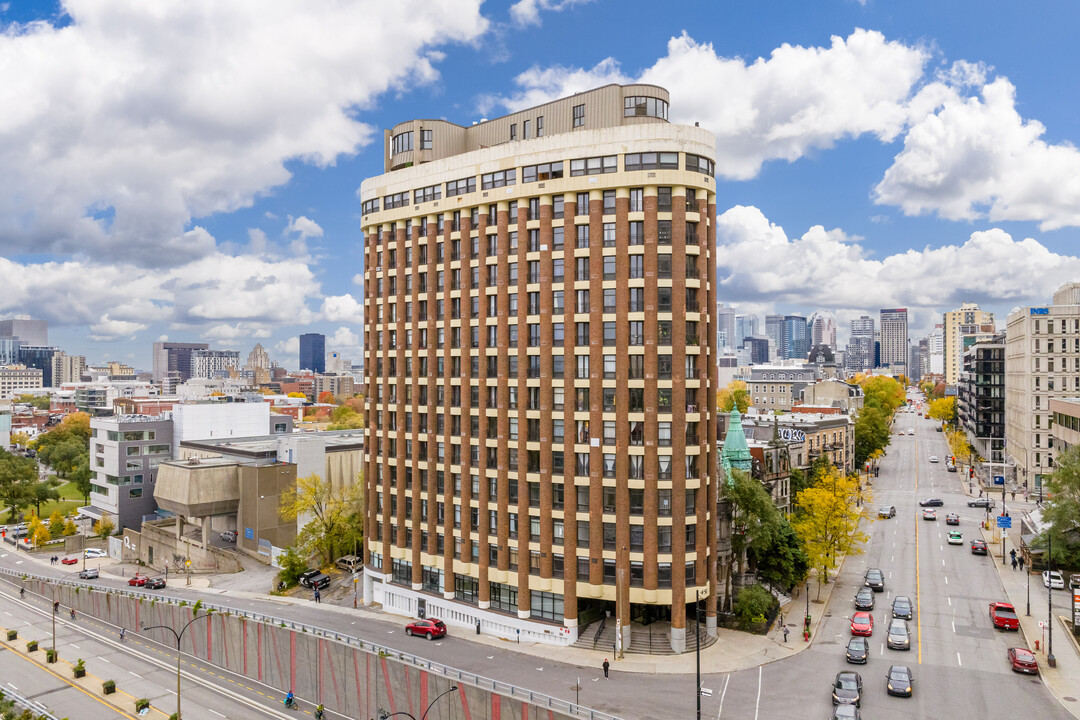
[22, 592]
[319, 712]
[290, 701]
[72, 613]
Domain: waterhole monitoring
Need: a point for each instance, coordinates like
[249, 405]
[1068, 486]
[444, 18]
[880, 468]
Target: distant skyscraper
[894, 339]
[41, 358]
[962, 328]
[860, 348]
[794, 337]
[935, 351]
[745, 326]
[822, 325]
[175, 358]
[774, 330]
[213, 363]
[31, 332]
[258, 358]
[725, 328]
[313, 352]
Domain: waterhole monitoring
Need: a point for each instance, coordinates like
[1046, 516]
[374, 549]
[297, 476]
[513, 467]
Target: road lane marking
[958, 661]
[722, 694]
[946, 582]
[918, 579]
[949, 598]
[953, 626]
[757, 705]
[215, 712]
[136, 675]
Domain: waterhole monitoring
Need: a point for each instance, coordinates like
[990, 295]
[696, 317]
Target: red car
[432, 628]
[138, 580]
[1023, 661]
[70, 561]
[862, 623]
[1003, 615]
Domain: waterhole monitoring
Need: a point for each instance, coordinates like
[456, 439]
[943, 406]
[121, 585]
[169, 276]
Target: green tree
[753, 604]
[828, 521]
[293, 565]
[1062, 508]
[344, 417]
[943, 410]
[871, 433]
[780, 562]
[884, 393]
[81, 476]
[62, 456]
[43, 493]
[17, 478]
[734, 395]
[56, 524]
[755, 519]
[41, 402]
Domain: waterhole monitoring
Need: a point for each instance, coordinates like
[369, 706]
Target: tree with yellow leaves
[943, 410]
[828, 520]
[56, 523]
[37, 531]
[334, 514]
[734, 395]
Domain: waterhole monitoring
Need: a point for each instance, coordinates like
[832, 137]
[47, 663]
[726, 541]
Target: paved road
[959, 663]
[53, 690]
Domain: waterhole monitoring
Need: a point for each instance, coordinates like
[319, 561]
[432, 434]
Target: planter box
[12, 634]
[79, 672]
[51, 656]
[141, 704]
[108, 687]
[32, 646]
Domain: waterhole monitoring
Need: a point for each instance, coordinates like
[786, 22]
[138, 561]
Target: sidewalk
[1064, 680]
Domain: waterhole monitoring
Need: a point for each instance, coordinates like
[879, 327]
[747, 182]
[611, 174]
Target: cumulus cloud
[759, 264]
[133, 118]
[342, 308]
[288, 350]
[225, 331]
[304, 227]
[797, 100]
[976, 157]
[108, 329]
[527, 12]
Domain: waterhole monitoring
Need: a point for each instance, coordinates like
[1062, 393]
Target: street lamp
[1050, 659]
[383, 715]
[697, 631]
[178, 636]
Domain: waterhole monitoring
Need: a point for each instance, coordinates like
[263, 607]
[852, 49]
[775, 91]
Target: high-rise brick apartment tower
[538, 293]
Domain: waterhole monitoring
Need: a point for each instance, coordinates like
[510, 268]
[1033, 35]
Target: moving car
[845, 712]
[864, 599]
[951, 467]
[862, 623]
[899, 680]
[983, 502]
[978, 547]
[901, 607]
[70, 561]
[89, 574]
[911, 432]
[899, 637]
[874, 579]
[952, 519]
[932, 502]
[349, 563]
[1023, 661]
[858, 649]
[229, 536]
[886, 511]
[956, 538]
[933, 458]
[847, 688]
[1003, 615]
[430, 628]
[1053, 579]
[929, 514]
[138, 580]
[155, 583]
[94, 553]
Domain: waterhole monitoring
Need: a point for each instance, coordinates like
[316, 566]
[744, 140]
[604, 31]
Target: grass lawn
[66, 507]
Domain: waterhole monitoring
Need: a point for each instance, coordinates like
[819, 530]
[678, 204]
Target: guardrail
[25, 702]
[480, 681]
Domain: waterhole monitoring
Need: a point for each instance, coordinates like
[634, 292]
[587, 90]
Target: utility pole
[697, 631]
[1050, 659]
[178, 636]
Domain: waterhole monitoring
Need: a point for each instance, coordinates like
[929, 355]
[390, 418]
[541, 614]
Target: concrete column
[678, 639]
[206, 532]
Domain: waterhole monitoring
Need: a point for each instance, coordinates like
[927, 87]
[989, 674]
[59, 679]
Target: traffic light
[953, 457]
[971, 472]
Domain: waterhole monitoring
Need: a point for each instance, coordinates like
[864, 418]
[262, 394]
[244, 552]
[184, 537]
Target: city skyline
[252, 234]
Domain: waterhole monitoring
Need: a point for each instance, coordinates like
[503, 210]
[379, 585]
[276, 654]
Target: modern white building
[894, 340]
[213, 363]
[125, 452]
[218, 420]
[17, 379]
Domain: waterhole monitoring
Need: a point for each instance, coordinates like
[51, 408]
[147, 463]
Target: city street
[958, 660]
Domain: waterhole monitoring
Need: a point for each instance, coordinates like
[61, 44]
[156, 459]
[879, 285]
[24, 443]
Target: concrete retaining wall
[354, 682]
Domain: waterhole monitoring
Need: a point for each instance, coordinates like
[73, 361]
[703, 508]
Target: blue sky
[189, 169]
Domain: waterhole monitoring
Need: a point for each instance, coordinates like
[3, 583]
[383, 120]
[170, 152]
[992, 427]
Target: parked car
[978, 547]
[931, 502]
[94, 553]
[956, 537]
[899, 637]
[70, 561]
[349, 563]
[314, 579]
[1023, 660]
[155, 583]
[138, 580]
[431, 628]
[1003, 616]
[864, 599]
[933, 458]
[862, 623]
[89, 574]
[1053, 579]
[847, 688]
[983, 502]
[858, 649]
[229, 536]
[1074, 581]
[306, 576]
[929, 514]
[886, 511]
[899, 680]
[874, 579]
[901, 607]
[952, 519]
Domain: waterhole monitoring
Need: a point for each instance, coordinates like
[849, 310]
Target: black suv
[932, 502]
[864, 599]
[314, 579]
[874, 579]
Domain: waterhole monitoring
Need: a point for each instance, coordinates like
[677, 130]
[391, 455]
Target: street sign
[1004, 522]
[706, 692]
[999, 479]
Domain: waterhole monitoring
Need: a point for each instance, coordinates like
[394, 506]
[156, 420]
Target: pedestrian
[123, 632]
[606, 666]
[318, 597]
[1021, 563]
[1012, 553]
[1013, 494]
[785, 633]
[1014, 563]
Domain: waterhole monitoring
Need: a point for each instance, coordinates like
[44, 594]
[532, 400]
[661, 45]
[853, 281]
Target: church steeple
[736, 452]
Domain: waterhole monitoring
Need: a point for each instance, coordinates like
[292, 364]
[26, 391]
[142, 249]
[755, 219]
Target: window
[425, 139]
[402, 142]
[540, 126]
[663, 199]
[652, 161]
[526, 129]
[609, 234]
[370, 206]
[582, 240]
[513, 131]
[609, 202]
[547, 171]
[696, 163]
[579, 116]
[397, 200]
[546, 606]
[641, 106]
[498, 179]
[460, 187]
[594, 165]
[432, 192]
[637, 233]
